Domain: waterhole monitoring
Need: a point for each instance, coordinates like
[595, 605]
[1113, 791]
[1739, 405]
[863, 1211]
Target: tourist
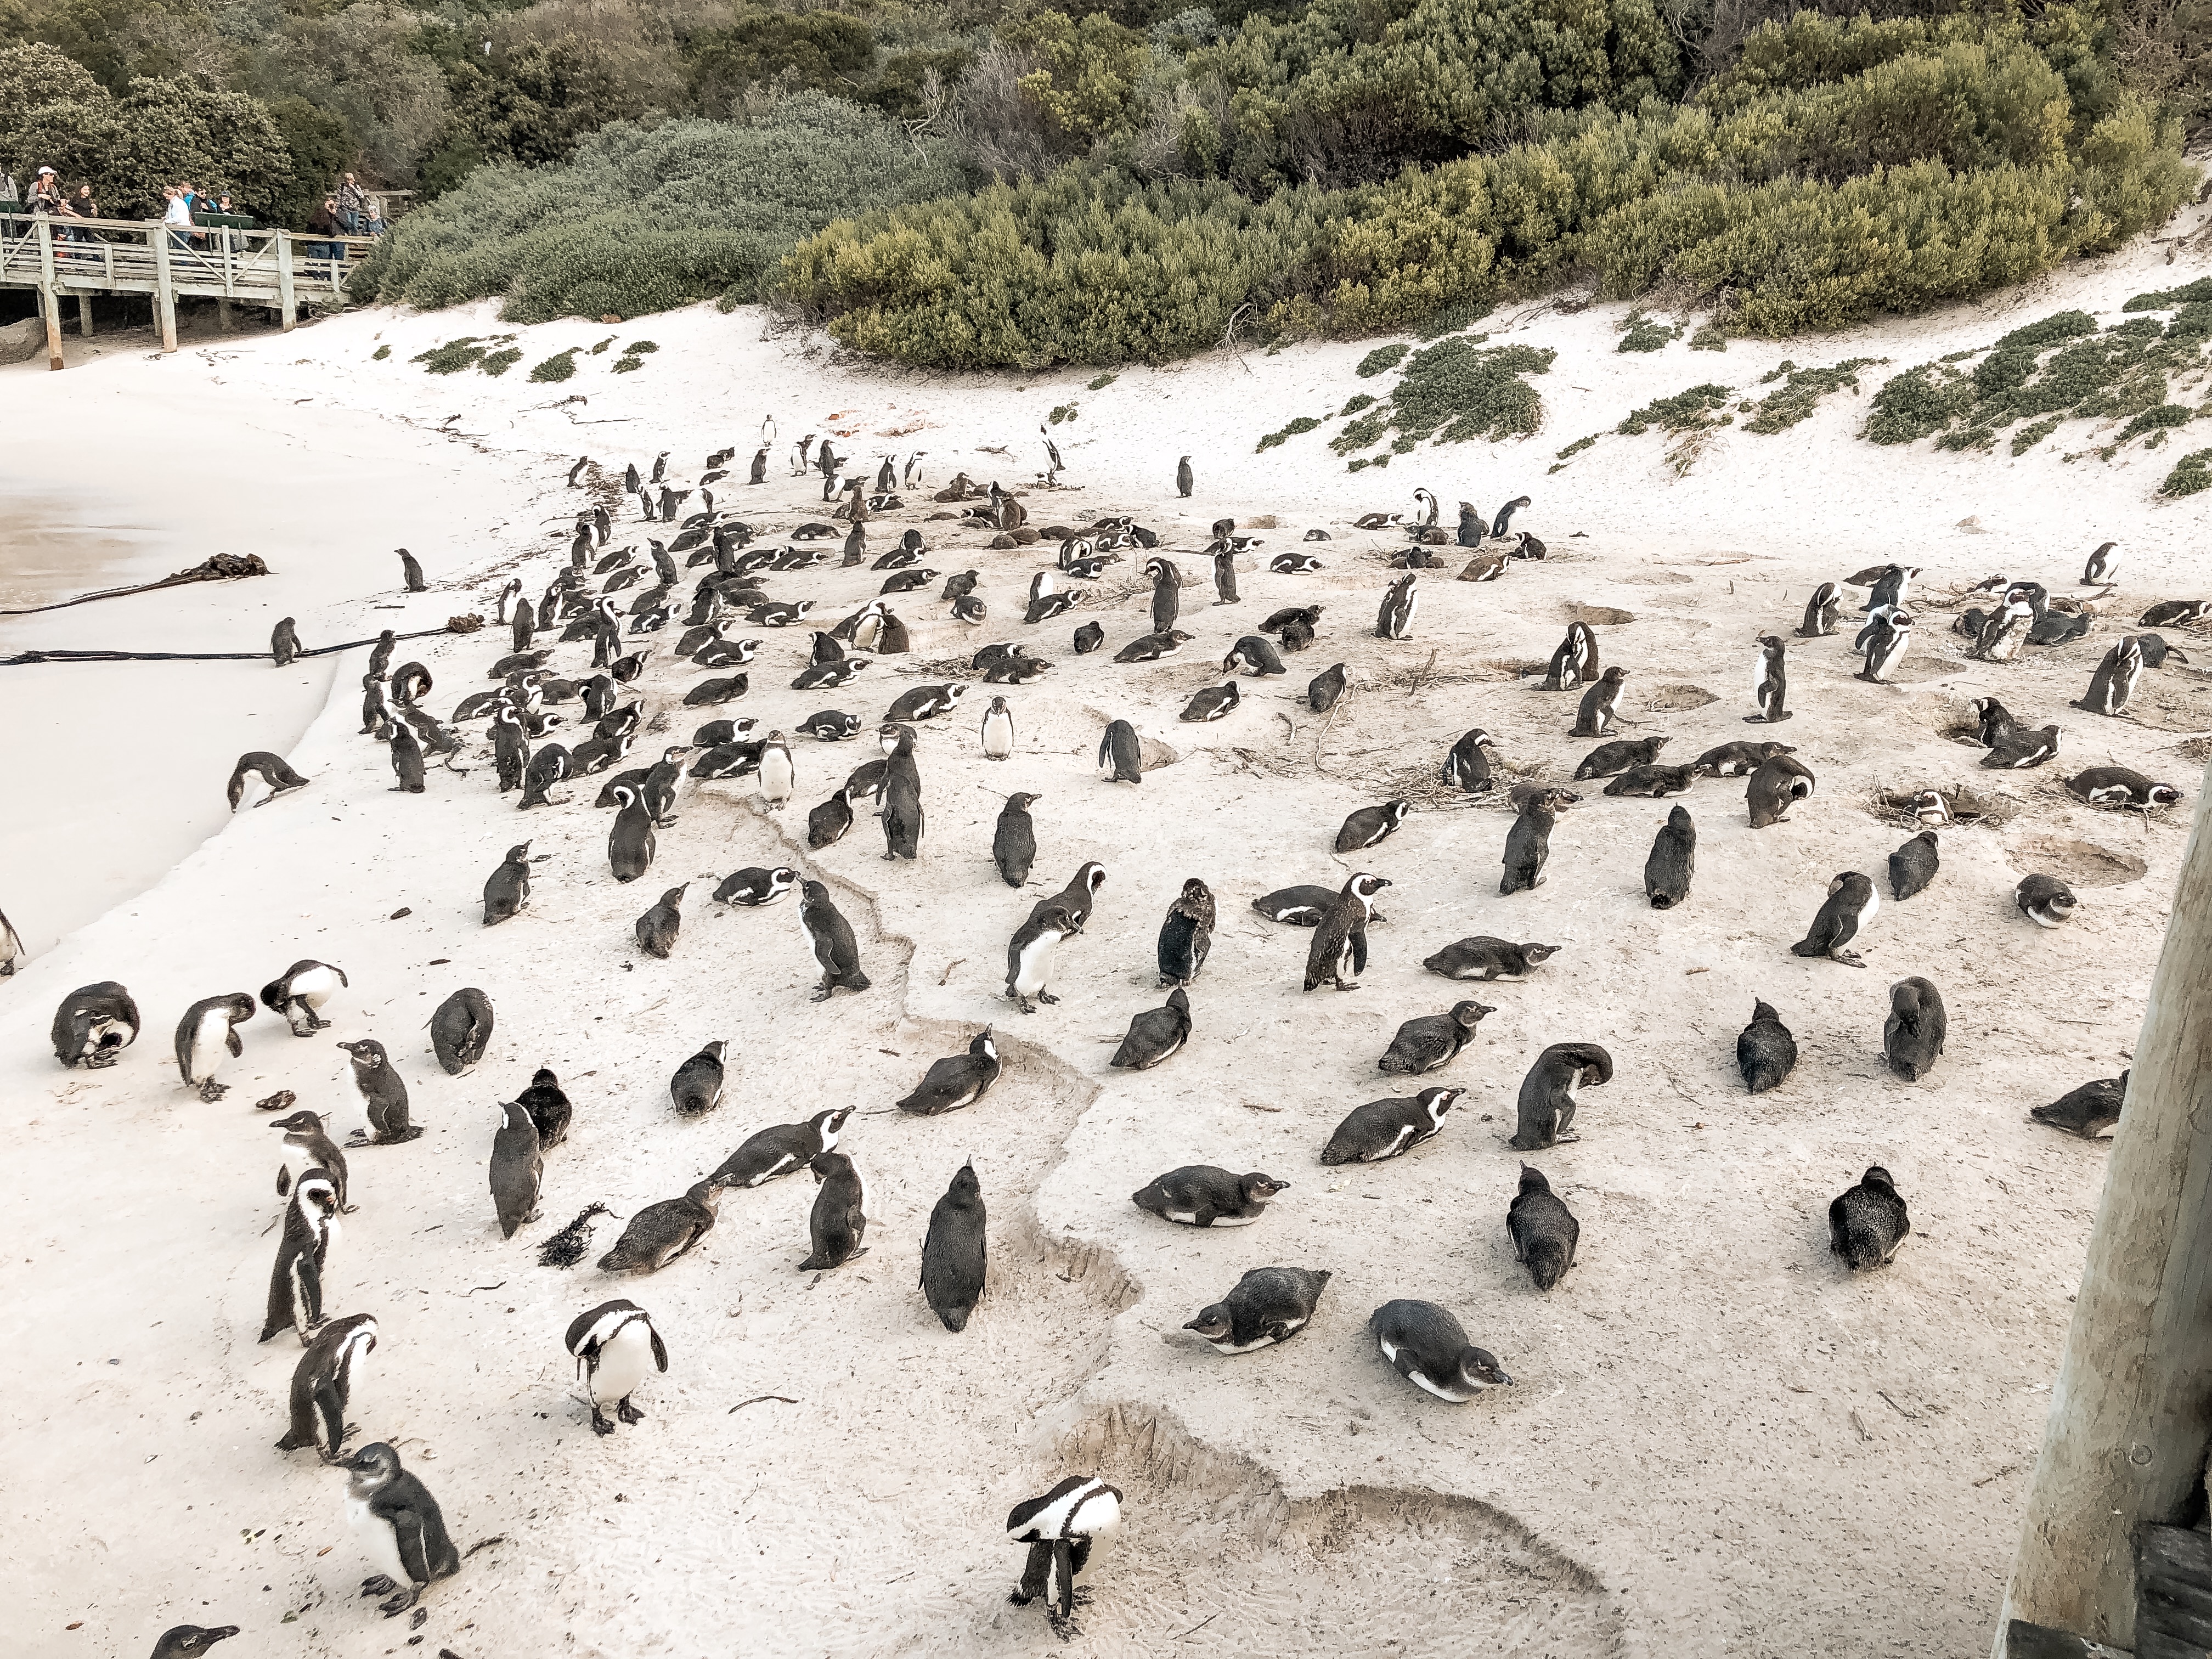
[82, 205]
[178, 216]
[46, 193]
[353, 204]
[324, 221]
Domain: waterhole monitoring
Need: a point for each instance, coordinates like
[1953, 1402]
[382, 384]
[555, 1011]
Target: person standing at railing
[83, 207]
[178, 216]
[324, 221]
[352, 204]
[46, 193]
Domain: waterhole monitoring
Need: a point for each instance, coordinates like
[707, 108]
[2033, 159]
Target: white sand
[1718, 1442]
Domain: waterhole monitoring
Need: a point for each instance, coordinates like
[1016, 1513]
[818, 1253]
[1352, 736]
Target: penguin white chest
[207, 1048]
[775, 774]
[625, 1360]
[378, 1539]
[998, 736]
[1034, 972]
[316, 986]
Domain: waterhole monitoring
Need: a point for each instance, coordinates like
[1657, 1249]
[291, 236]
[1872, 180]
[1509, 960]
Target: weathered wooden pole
[84, 316]
[49, 305]
[2131, 1411]
[287, 309]
[165, 288]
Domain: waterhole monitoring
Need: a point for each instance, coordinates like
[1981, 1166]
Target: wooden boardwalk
[278, 269]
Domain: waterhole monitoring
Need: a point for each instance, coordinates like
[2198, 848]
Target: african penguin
[1030, 954]
[206, 1035]
[1267, 1305]
[300, 995]
[1886, 638]
[1780, 782]
[1528, 843]
[1339, 951]
[1013, 839]
[1672, 863]
[835, 947]
[1820, 612]
[308, 1146]
[383, 1094]
[1203, 1195]
[1770, 680]
[1867, 1223]
[1058, 1529]
[1385, 1128]
[1482, 958]
[1618, 755]
[1367, 825]
[295, 1281]
[1431, 1041]
[460, 1030]
[1121, 760]
[616, 1348]
[1427, 1346]
[1849, 907]
[838, 1221]
[953, 1269]
[518, 1168]
[2117, 785]
[2114, 682]
[1575, 663]
[1913, 1035]
[1155, 1035]
[2044, 900]
[658, 1233]
[1544, 1229]
[959, 1080]
[2091, 1111]
[1594, 717]
[1395, 620]
[323, 1382]
[783, 1148]
[399, 1527]
[1545, 1112]
[1765, 1050]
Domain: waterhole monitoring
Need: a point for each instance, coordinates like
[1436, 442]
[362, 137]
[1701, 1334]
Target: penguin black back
[1765, 1050]
[952, 1252]
[1672, 861]
[1545, 1231]
[1013, 839]
[1867, 1222]
[1546, 1109]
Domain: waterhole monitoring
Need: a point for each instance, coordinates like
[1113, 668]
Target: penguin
[1385, 1128]
[656, 791]
[1366, 826]
[658, 1234]
[1765, 1050]
[1770, 680]
[549, 1109]
[1884, 640]
[2117, 785]
[410, 682]
[783, 1149]
[1121, 760]
[902, 815]
[1202, 1195]
[1780, 784]
[1432, 1040]
[1294, 564]
[758, 474]
[1654, 781]
[1545, 1113]
[952, 1251]
[1030, 954]
[2021, 748]
[2176, 613]
[1594, 717]
[1618, 755]
[926, 702]
[1395, 620]
[1575, 663]
[1013, 839]
[829, 676]
[2005, 631]
[2114, 682]
[384, 1096]
[1913, 1035]
[1849, 908]
[1224, 573]
[1301, 906]
[1928, 807]
[510, 749]
[308, 1146]
[835, 947]
[1186, 481]
[1339, 945]
[1913, 866]
[755, 886]
[1528, 843]
[1151, 648]
[657, 928]
[631, 844]
[1058, 1529]
[506, 890]
[1867, 1223]
[1482, 958]
[2103, 565]
[1252, 655]
[1820, 612]
[960, 1080]
[1473, 526]
[1544, 1229]
[379, 659]
[399, 1527]
[838, 1221]
[2044, 900]
[998, 730]
[1467, 766]
[1673, 861]
[209, 1032]
[1078, 897]
[284, 642]
[2091, 1111]
[301, 993]
[11, 947]
[1326, 689]
[1167, 594]
[697, 1085]
[616, 1348]
[524, 623]
[273, 770]
[410, 569]
[295, 1282]
[1732, 759]
[1089, 638]
[831, 725]
[518, 1168]
[94, 1025]
[1187, 935]
[1889, 584]
[461, 1029]
[190, 1641]
[826, 824]
[1267, 1305]
[1212, 703]
[1429, 1348]
[2060, 627]
[2156, 653]
[334, 1361]
[1155, 1035]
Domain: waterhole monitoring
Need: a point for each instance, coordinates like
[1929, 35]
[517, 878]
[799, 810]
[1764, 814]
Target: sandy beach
[1719, 1441]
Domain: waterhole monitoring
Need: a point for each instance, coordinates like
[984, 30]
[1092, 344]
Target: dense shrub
[644, 220]
[1800, 392]
[2192, 475]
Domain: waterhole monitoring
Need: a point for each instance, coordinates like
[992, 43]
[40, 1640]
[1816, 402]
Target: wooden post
[164, 288]
[287, 310]
[84, 316]
[2131, 1414]
[49, 305]
[222, 320]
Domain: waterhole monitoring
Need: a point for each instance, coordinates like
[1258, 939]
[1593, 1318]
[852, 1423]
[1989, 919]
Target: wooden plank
[165, 293]
[2027, 1641]
[287, 309]
[49, 304]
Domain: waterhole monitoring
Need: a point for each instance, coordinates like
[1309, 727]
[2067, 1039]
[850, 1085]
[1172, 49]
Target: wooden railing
[60, 257]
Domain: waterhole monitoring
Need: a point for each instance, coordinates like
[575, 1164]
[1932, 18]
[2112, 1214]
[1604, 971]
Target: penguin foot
[1019, 1599]
[377, 1584]
[399, 1604]
[211, 1090]
[821, 994]
[1848, 958]
[1047, 996]
[628, 1412]
[101, 1059]
[599, 1423]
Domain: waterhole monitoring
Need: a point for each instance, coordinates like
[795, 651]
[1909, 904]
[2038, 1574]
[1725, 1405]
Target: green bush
[1101, 382]
[1800, 393]
[496, 363]
[1356, 403]
[1685, 411]
[1639, 333]
[1302, 423]
[640, 349]
[379, 353]
[2168, 298]
[2030, 435]
[1578, 445]
[1709, 339]
[2155, 417]
[2191, 474]
[1381, 361]
[560, 366]
[452, 358]
[627, 365]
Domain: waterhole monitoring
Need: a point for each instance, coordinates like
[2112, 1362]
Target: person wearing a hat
[46, 191]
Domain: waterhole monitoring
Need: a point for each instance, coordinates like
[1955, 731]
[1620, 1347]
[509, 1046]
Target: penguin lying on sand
[95, 1024]
[1366, 825]
[2044, 900]
[1913, 866]
[1386, 1129]
[1203, 1195]
[1618, 755]
[1544, 1229]
[659, 1233]
[1427, 1346]
[190, 1641]
[1267, 1305]
[1868, 1222]
[1433, 1040]
[1913, 1035]
[2090, 1111]
[1765, 1052]
[1482, 958]
[961, 1080]
[399, 1527]
[783, 1149]
[2117, 786]
[1731, 760]
[1155, 1035]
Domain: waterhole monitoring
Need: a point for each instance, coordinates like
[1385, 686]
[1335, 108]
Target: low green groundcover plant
[2193, 473]
[1800, 392]
[1685, 411]
[560, 366]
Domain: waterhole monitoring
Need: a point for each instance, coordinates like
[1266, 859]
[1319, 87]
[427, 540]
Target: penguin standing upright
[399, 1527]
[1225, 573]
[1820, 612]
[284, 642]
[631, 844]
[998, 730]
[616, 1348]
[1765, 1052]
[1544, 1111]
[1394, 620]
[295, 1282]
[412, 571]
[1770, 680]
[1672, 861]
[835, 947]
[1528, 843]
[1575, 662]
[759, 472]
[1121, 757]
[657, 929]
[2103, 565]
[406, 760]
[1013, 839]
[1058, 1529]
[1339, 950]
[696, 1086]
[461, 1029]
[839, 1219]
[322, 1383]
[518, 1168]
[1185, 479]
[954, 1267]
[301, 993]
[1544, 1229]
[308, 1146]
[1850, 907]
[1913, 1035]
[207, 1033]
[902, 814]
[2114, 682]
[506, 890]
[1594, 717]
[1030, 954]
[779, 777]
[1468, 766]
[1187, 935]
[383, 1094]
[1884, 640]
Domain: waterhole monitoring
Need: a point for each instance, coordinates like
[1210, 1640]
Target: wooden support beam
[287, 310]
[49, 305]
[165, 288]
[2123, 1446]
[84, 316]
[222, 317]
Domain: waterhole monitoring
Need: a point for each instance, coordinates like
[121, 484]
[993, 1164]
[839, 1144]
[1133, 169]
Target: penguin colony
[545, 698]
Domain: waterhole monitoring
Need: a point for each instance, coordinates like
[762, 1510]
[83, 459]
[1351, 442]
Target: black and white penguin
[1204, 1195]
[1154, 648]
[2103, 565]
[1365, 826]
[383, 1094]
[412, 571]
[1432, 1040]
[549, 1107]
[2119, 786]
[1593, 718]
[1779, 783]
[631, 844]
[2114, 682]
[1212, 703]
[1867, 1223]
[783, 1149]
[660, 1232]
[1225, 573]
[1770, 680]
[2176, 613]
[1482, 958]
[1325, 689]
[1156, 1034]
[295, 1281]
[1610, 758]
[1820, 612]
[959, 1081]
[1267, 1305]
[1913, 866]
[1575, 663]
[829, 676]
[1847, 911]
[755, 886]
[954, 1267]
[1294, 564]
[93, 1024]
[1187, 934]
[1544, 1229]
[506, 890]
[1732, 759]
[1252, 655]
[274, 771]
[2044, 900]
[2091, 1111]
[1385, 1128]
[2156, 653]
[831, 726]
[518, 1168]
[835, 947]
[399, 1527]
[1427, 1346]
[1498, 528]
[2058, 627]
[1121, 757]
[460, 1030]
[334, 1364]
[307, 1145]
[1186, 481]
[902, 814]
[2022, 747]
[616, 1348]
[1089, 638]
[1079, 898]
[510, 746]
[1059, 1527]
[1029, 955]
[1884, 640]
[1913, 1035]
[1395, 620]
[1339, 951]
[1528, 843]
[826, 824]
[1765, 1050]
[778, 772]
[1467, 766]
[1301, 906]
[1655, 781]
[1671, 864]
[1013, 839]
[997, 732]
[300, 994]
[1545, 1113]
[838, 1221]
[696, 1086]
[206, 1035]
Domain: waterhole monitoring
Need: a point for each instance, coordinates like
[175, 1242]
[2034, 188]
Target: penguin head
[374, 1466]
[828, 1125]
[304, 1121]
[2161, 794]
[1258, 1189]
[1365, 886]
[1437, 1101]
[183, 1641]
[1212, 1323]
[1879, 1177]
[1535, 954]
[1479, 1370]
[983, 1045]
[1020, 802]
[367, 1054]
[1469, 1014]
[1395, 811]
